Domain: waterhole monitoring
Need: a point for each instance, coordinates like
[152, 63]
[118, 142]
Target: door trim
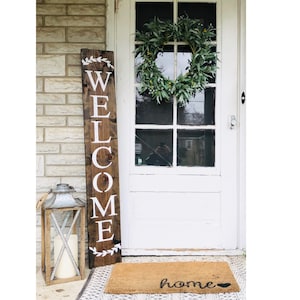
[242, 124]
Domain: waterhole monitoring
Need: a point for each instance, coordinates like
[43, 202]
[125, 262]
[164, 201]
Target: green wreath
[202, 65]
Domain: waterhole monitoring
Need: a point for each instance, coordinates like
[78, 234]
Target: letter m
[103, 211]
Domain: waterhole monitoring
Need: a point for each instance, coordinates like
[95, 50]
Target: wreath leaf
[202, 65]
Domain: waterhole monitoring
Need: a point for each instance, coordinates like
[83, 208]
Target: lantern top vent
[63, 188]
[62, 197]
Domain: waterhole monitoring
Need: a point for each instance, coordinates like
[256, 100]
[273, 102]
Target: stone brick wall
[63, 27]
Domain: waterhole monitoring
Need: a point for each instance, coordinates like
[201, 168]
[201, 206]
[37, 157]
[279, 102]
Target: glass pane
[184, 57]
[149, 112]
[200, 110]
[138, 61]
[196, 148]
[165, 62]
[146, 12]
[213, 62]
[206, 12]
[153, 147]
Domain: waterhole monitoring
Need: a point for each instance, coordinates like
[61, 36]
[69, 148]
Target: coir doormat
[171, 277]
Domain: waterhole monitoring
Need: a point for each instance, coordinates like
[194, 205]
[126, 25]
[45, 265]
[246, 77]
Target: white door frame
[242, 124]
[112, 7]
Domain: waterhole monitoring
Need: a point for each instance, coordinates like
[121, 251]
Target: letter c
[94, 157]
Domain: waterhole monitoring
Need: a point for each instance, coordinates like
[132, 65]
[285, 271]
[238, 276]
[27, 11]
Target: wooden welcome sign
[101, 156]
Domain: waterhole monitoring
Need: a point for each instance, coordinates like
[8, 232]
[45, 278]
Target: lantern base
[62, 280]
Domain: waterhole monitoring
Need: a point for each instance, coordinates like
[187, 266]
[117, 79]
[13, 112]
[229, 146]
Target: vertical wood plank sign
[101, 157]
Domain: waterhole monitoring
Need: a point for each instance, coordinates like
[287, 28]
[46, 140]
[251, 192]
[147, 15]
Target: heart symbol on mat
[224, 285]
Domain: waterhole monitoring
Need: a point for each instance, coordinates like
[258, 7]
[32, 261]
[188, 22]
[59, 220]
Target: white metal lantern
[63, 236]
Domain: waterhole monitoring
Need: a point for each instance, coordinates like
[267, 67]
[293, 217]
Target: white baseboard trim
[180, 252]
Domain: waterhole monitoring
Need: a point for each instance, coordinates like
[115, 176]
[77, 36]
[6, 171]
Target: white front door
[191, 199]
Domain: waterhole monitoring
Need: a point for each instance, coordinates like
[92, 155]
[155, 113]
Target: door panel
[166, 220]
[188, 206]
[174, 183]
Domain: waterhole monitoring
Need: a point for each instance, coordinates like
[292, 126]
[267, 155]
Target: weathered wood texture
[101, 157]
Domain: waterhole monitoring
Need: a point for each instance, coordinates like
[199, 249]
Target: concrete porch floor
[62, 291]
[71, 290]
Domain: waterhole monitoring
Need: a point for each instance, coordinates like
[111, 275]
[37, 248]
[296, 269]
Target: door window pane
[153, 147]
[206, 12]
[165, 62]
[213, 63]
[196, 148]
[200, 110]
[149, 112]
[146, 12]
[184, 57]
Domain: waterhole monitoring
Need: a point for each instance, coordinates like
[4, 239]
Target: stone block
[39, 165]
[44, 184]
[39, 48]
[50, 34]
[86, 34]
[63, 85]
[86, 10]
[39, 21]
[74, 70]
[73, 59]
[47, 148]
[72, 148]
[64, 135]
[48, 9]
[39, 85]
[70, 48]
[75, 121]
[50, 65]
[39, 135]
[50, 98]
[79, 21]
[79, 184]
[65, 159]
[65, 171]
[46, 121]
[77, 1]
[74, 98]
[63, 110]
[39, 109]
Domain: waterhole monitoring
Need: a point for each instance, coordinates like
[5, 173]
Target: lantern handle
[40, 202]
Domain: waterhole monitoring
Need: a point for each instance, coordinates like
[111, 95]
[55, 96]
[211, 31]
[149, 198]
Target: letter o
[110, 182]
[179, 284]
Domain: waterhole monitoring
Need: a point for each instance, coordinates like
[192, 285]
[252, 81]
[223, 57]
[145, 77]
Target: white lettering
[96, 133]
[96, 106]
[101, 230]
[99, 79]
[94, 157]
[102, 182]
[96, 203]
[110, 182]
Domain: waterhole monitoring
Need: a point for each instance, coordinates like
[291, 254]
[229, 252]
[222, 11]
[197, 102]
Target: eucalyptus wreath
[202, 65]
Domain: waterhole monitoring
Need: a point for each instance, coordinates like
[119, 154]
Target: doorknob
[233, 121]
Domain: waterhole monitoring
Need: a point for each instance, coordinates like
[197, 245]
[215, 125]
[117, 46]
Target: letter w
[96, 203]
[99, 79]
